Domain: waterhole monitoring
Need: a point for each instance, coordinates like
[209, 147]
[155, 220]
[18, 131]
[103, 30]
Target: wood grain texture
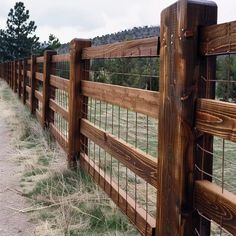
[218, 39]
[217, 118]
[47, 69]
[61, 58]
[180, 70]
[59, 138]
[59, 82]
[39, 59]
[39, 76]
[142, 164]
[144, 222]
[58, 109]
[148, 47]
[215, 205]
[38, 95]
[78, 72]
[137, 100]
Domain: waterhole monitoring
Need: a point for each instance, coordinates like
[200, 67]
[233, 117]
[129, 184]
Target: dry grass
[63, 202]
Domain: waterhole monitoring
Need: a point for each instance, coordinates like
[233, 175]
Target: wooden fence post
[46, 85]
[24, 80]
[77, 73]
[14, 77]
[32, 79]
[181, 67]
[19, 78]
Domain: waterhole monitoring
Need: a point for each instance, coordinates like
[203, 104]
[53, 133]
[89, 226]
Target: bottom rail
[145, 223]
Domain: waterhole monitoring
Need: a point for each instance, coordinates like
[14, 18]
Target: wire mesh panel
[222, 153]
[127, 183]
[59, 103]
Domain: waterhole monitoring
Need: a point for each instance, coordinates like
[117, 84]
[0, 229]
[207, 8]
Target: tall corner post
[47, 69]
[78, 73]
[181, 67]
[32, 84]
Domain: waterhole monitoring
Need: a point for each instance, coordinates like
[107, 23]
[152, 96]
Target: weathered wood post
[32, 83]
[46, 85]
[14, 76]
[181, 68]
[24, 80]
[77, 73]
[19, 78]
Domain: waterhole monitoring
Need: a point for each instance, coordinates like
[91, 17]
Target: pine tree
[18, 39]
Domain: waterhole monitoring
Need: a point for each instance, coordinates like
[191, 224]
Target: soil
[12, 221]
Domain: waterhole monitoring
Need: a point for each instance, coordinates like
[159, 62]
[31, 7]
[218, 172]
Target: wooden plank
[32, 82]
[28, 73]
[59, 82]
[39, 59]
[215, 205]
[138, 216]
[39, 76]
[24, 80]
[28, 89]
[47, 69]
[61, 58]
[217, 118]
[181, 67]
[38, 95]
[29, 61]
[148, 47]
[77, 108]
[59, 138]
[137, 100]
[142, 164]
[218, 39]
[57, 108]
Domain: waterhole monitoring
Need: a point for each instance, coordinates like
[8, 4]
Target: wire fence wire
[134, 128]
[223, 152]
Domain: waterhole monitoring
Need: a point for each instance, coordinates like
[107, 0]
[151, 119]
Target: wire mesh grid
[134, 128]
[222, 153]
[61, 69]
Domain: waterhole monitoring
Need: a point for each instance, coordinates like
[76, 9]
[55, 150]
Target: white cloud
[87, 19]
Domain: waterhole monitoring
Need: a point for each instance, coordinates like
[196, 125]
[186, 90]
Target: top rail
[148, 47]
[60, 58]
[218, 39]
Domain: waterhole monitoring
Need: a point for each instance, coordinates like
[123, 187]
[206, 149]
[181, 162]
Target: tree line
[18, 39]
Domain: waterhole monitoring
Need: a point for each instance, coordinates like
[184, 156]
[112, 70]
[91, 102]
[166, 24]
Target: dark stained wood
[38, 95]
[180, 71]
[24, 80]
[60, 58]
[19, 77]
[215, 205]
[32, 80]
[28, 89]
[57, 108]
[59, 82]
[78, 72]
[15, 77]
[47, 67]
[142, 164]
[217, 118]
[60, 139]
[28, 73]
[147, 47]
[39, 76]
[39, 59]
[144, 222]
[138, 100]
[218, 39]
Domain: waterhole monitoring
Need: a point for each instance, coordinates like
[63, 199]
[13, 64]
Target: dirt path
[12, 222]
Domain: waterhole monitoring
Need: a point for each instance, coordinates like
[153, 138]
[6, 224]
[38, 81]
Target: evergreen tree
[18, 39]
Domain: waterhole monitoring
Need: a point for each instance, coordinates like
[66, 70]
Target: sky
[67, 19]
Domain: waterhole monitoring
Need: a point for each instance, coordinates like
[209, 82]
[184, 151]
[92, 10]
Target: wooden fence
[56, 88]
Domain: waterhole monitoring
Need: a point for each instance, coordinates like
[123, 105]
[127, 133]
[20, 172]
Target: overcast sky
[68, 19]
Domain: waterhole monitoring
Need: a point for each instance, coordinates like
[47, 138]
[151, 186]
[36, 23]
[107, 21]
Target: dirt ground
[12, 221]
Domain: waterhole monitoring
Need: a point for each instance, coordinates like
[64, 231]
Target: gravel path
[12, 222]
